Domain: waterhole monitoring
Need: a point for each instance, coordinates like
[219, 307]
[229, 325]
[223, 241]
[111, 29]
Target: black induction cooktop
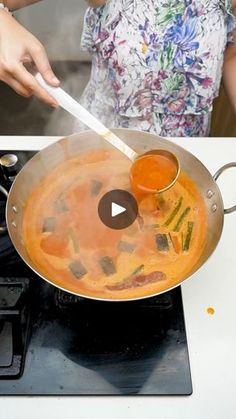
[54, 343]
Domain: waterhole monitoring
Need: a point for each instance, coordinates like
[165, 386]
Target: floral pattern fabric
[157, 64]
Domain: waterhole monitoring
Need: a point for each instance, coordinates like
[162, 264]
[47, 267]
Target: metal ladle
[74, 108]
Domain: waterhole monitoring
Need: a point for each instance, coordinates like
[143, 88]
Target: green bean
[181, 220]
[138, 270]
[188, 236]
[73, 236]
[174, 212]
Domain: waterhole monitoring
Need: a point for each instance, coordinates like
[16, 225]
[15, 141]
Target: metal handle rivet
[14, 224]
[15, 209]
[214, 208]
[210, 193]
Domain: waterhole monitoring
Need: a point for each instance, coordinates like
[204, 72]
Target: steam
[59, 29]
[58, 25]
[61, 123]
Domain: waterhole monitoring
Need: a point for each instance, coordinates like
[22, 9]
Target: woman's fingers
[28, 81]
[18, 87]
[40, 59]
[17, 46]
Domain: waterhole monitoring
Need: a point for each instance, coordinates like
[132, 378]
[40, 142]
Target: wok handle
[4, 192]
[217, 175]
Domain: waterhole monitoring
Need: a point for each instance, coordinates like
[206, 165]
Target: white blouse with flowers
[157, 64]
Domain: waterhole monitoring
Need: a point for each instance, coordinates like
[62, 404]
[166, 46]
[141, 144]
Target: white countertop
[211, 339]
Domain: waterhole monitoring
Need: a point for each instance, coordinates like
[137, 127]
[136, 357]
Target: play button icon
[118, 209]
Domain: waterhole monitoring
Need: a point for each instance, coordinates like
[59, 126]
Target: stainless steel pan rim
[130, 137]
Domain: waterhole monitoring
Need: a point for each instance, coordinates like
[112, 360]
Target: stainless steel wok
[46, 160]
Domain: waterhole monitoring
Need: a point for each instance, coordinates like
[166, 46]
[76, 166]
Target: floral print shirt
[155, 61]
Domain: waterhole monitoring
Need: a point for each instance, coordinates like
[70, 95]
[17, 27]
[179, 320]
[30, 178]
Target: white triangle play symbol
[116, 209]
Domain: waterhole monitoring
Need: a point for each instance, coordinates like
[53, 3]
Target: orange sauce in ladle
[154, 173]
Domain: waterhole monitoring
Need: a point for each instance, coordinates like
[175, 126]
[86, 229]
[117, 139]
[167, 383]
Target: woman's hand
[19, 47]
[96, 3]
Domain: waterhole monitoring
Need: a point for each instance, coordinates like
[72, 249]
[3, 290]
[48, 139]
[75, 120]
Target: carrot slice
[176, 242]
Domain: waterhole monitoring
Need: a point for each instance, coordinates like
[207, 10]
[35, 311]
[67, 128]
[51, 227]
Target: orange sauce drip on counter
[211, 311]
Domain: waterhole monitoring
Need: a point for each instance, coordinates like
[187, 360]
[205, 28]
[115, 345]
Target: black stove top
[54, 343]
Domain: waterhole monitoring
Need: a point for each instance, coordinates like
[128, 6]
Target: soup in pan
[71, 247]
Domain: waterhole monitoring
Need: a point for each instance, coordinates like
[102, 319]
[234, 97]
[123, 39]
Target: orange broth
[72, 248]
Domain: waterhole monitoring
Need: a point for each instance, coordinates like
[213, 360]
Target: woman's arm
[18, 47]
[18, 4]
[229, 73]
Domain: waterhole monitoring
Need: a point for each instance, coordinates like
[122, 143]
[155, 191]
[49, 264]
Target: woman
[157, 64]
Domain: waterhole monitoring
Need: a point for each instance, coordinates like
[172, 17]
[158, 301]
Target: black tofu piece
[124, 246]
[77, 269]
[49, 225]
[162, 242]
[60, 205]
[96, 187]
[107, 266]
